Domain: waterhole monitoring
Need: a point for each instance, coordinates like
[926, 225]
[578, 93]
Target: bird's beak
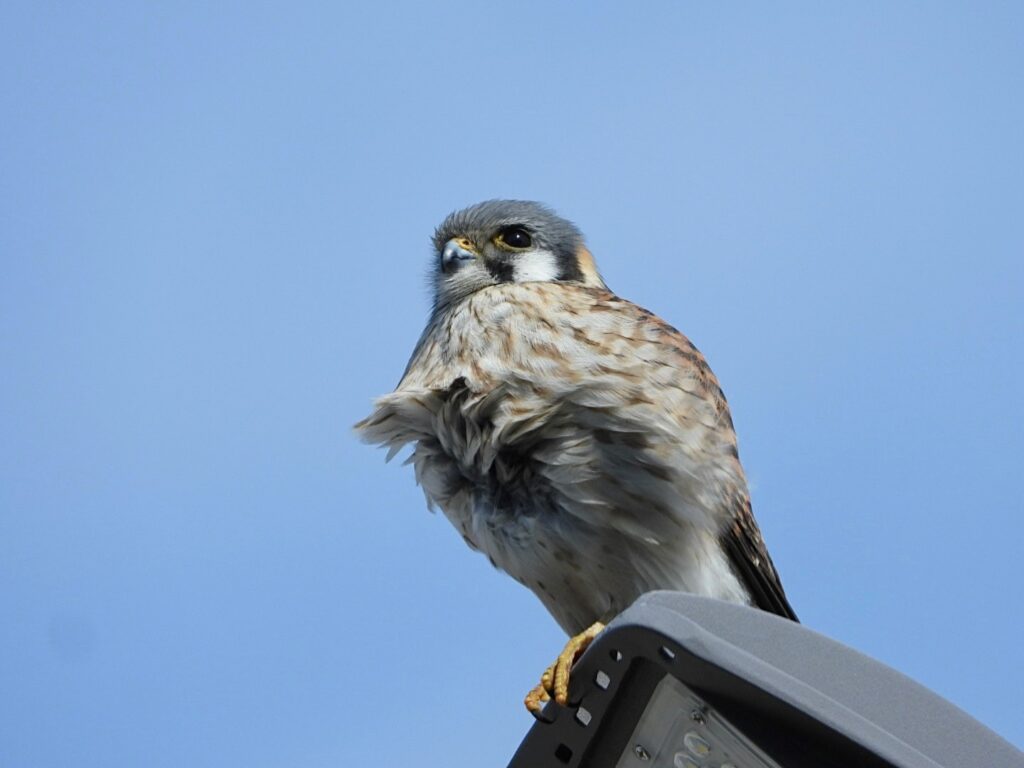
[457, 252]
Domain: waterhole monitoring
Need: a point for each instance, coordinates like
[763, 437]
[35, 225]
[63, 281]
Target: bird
[576, 439]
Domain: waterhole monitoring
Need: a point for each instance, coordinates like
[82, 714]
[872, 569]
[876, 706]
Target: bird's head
[507, 241]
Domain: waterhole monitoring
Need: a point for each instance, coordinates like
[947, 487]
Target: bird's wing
[748, 555]
[740, 538]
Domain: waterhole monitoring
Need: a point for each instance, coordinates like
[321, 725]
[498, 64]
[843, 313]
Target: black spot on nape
[501, 269]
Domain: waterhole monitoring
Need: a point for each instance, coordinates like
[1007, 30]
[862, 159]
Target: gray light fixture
[678, 681]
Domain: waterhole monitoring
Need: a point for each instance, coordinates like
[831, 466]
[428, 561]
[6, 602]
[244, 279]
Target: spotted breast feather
[583, 445]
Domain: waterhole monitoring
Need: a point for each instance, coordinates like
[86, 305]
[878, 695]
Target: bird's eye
[515, 237]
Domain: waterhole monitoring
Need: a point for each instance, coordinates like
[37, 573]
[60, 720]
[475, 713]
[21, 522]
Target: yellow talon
[555, 680]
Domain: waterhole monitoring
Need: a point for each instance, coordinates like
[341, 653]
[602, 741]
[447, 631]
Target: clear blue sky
[214, 226]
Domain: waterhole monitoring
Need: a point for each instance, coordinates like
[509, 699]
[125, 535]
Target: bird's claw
[555, 680]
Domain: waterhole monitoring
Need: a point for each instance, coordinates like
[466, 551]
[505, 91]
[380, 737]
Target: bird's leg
[538, 695]
[555, 680]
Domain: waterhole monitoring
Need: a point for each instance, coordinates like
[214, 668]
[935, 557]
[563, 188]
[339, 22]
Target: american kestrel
[579, 441]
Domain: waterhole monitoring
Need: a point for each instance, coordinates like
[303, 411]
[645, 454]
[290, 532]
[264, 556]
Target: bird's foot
[555, 680]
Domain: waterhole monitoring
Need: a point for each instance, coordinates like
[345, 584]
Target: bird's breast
[572, 437]
[532, 332]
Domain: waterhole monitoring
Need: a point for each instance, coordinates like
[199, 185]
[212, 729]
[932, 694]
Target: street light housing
[679, 681]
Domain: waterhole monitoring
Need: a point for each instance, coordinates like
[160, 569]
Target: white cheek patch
[535, 266]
